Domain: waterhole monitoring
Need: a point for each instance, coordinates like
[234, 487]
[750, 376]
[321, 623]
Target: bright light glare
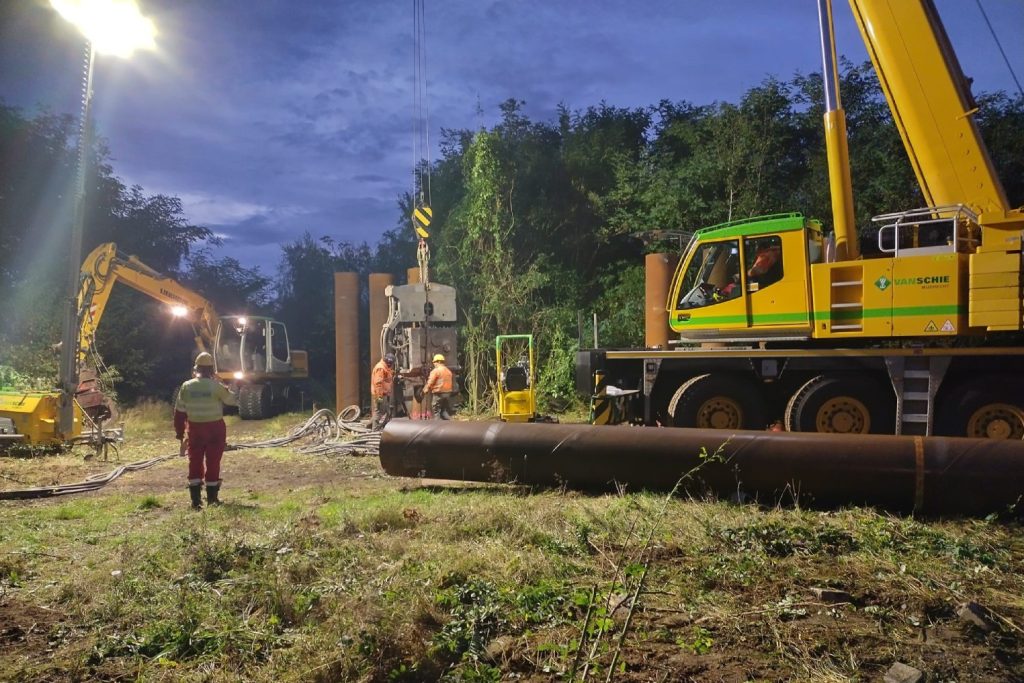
[114, 27]
[179, 311]
[243, 321]
[239, 375]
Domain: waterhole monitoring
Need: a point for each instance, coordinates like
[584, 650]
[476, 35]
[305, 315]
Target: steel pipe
[930, 475]
[346, 339]
[378, 311]
[657, 280]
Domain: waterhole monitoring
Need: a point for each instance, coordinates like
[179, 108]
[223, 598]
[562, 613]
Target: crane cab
[747, 280]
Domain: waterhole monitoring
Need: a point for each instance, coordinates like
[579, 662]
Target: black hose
[330, 434]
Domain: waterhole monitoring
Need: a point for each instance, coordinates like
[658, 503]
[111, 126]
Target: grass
[341, 573]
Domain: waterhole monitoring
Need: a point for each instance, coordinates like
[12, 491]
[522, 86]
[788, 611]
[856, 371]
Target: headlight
[179, 311]
[239, 375]
[242, 321]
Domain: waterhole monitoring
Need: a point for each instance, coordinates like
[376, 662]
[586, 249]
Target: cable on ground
[328, 434]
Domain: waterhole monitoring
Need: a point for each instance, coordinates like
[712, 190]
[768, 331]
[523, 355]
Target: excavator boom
[103, 268]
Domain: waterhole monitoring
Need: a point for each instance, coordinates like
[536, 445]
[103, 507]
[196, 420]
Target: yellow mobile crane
[252, 351]
[831, 340]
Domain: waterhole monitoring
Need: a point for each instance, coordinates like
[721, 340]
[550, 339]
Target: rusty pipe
[930, 475]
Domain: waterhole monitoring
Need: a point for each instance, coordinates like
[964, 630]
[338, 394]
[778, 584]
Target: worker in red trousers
[200, 407]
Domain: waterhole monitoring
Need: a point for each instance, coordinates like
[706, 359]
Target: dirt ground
[248, 470]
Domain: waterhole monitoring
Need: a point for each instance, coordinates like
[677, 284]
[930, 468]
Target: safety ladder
[916, 380]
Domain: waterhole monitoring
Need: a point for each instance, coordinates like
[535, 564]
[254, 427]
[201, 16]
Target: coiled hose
[330, 435]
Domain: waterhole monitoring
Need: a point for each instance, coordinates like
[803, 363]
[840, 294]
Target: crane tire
[254, 402]
[839, 404]
[985, 408]
[717, 401]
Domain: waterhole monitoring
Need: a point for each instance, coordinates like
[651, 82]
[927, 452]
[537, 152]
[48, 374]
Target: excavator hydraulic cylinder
[922, 474]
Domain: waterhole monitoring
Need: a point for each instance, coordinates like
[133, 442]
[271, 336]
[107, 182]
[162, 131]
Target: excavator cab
[254, 348]
[254, 352]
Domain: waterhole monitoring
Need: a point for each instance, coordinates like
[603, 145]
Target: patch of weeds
[69, 512]
[583, 532]
[699, 641]
[728, 572]
[833, 541]
[476, 612]
[552, 544]
[149, 503]
[544, 604]
[404, 672]
[187, 636]
[390, 518]
[907, 536]
[214, 559]
[776, 539]
[473, 672]
[788, 608]
[12, 571]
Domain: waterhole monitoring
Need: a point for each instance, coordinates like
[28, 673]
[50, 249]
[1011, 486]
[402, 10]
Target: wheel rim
[997, 421]
[720, 412]
[843, 415]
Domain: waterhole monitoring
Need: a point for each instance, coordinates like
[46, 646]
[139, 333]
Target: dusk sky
[271, 117]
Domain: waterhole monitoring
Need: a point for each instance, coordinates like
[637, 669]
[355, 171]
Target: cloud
[208, 209]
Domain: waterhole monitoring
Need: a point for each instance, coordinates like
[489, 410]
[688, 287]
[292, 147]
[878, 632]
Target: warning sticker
[930, 327]
[948, 326]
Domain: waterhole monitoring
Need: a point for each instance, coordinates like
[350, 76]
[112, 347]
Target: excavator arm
[102, 268]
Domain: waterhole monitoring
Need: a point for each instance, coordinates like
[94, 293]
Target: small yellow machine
[30, 418]
[517, 400]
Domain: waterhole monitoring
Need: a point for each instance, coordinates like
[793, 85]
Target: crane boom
[931, 103]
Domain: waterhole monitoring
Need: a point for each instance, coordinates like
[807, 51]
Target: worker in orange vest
[382, 382]
[439, 385]
[766, 256]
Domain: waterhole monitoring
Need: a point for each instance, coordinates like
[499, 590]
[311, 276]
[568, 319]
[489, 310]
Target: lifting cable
[422, 213]
[999, 45]
[329, 435]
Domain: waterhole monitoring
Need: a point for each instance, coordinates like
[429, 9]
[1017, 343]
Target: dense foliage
[538, 224]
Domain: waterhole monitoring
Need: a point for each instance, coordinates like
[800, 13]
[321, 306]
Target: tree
[38, 164]
[305, 300]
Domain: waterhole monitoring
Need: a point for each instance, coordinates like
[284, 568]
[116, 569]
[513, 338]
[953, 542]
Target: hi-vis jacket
[201, 400]
[382, 379]
[440, 380]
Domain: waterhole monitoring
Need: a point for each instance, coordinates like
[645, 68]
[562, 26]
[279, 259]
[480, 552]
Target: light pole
[110, 27]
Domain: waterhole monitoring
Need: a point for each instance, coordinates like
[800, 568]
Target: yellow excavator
[788, 324]
[251, 351]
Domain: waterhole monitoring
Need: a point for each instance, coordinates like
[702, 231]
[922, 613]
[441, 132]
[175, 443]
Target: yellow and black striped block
[421, 217]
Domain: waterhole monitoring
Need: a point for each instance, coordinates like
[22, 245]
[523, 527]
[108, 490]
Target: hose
[331, 434]
[93, 483]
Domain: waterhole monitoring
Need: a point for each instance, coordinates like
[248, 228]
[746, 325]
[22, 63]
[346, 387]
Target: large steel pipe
[931, 475]
[346, 339]
[657, 280]
[378, 282]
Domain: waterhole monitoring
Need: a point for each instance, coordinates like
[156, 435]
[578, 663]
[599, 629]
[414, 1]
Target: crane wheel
[717, 402]
[842, 405]
[984, 408]
[254, 402]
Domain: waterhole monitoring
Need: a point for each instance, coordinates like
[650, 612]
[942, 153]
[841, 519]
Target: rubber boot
[195, 490]
[211, 494]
